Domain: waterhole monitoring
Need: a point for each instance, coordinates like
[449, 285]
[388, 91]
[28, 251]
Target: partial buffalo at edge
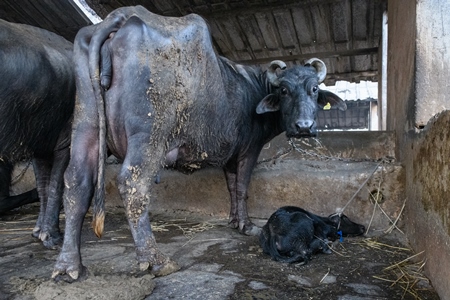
[37, 97]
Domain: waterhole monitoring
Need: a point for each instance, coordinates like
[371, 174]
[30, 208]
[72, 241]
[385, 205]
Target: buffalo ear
[268, 104]
[328, 100]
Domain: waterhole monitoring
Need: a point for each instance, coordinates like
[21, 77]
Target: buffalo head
[297, 96]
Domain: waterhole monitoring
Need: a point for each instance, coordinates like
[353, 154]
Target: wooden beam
[265, 7]
[331, 54]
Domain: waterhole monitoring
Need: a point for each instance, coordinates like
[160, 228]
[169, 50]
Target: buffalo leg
[134, 180]
[319, 245]
[42, 172]
[80, 178]
[230, 177]
[50, 233]
[238, 180]
[8, 202]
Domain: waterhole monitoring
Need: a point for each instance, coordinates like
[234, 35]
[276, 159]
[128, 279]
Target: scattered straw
[200, 227]
[373, 243]
[159, 226]
[403, 261]
[18, 222]
[371, 218]
[188, 229]
[15, 230]
[361, 186]
[325, 276]
[394, 224]
[337, 252]
[406, 274]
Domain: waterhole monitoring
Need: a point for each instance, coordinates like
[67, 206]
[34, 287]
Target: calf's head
[347, 226]
[297, 96]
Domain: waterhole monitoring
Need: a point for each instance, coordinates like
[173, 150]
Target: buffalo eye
[315, 89]
[284, 91]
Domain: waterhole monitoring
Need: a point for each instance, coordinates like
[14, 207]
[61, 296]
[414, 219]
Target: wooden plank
[341, 20]
[268, 31]
[321, 55]
[252, 33]
[359, 30]
[220, 39]
[286, 30]
[303, 26]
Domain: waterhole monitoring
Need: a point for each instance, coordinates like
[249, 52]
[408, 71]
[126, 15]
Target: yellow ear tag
[327, 107]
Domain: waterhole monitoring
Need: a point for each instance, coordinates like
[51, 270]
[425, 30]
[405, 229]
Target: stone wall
[427, 169]
[418, 87]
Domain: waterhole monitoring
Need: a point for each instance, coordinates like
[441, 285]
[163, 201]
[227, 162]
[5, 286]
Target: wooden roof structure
[344, 33]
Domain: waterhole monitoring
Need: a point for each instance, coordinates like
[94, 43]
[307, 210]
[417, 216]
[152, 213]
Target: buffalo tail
[103, 30]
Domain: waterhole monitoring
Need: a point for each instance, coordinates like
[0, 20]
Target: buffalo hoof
[51, 240]
[251, 230]
[68, 267]
[247, 228]
[166, 268]
[36, 232]
[70, 276]
[233, 224]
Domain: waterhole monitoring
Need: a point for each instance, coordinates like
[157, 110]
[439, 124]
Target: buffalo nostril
[304, 125]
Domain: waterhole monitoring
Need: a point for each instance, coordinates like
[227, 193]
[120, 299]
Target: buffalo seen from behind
[37, 96]
[293, 234]
[152, 90]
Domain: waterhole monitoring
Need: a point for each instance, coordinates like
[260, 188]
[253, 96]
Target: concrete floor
[216, 263]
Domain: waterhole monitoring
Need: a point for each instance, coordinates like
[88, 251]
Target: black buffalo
[153, 91]
[37, 96]
[293, 234]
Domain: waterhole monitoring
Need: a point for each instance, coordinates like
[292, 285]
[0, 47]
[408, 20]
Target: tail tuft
[98, 223]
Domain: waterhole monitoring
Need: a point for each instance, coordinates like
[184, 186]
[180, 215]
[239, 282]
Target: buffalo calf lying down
[293, 234]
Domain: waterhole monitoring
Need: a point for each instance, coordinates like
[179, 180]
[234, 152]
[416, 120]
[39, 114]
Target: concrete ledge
[315, 183]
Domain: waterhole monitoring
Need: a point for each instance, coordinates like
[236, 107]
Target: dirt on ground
[216, 263]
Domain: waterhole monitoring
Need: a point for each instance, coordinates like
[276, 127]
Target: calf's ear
[268, 104]
[328, 100]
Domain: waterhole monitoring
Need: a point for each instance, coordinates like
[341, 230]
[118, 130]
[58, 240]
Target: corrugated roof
[354, 91]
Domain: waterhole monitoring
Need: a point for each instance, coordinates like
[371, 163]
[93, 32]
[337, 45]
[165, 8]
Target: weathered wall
[427, 169]
[418, 88]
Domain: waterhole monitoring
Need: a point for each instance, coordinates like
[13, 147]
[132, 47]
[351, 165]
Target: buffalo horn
[271, 72]
[319, 66]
